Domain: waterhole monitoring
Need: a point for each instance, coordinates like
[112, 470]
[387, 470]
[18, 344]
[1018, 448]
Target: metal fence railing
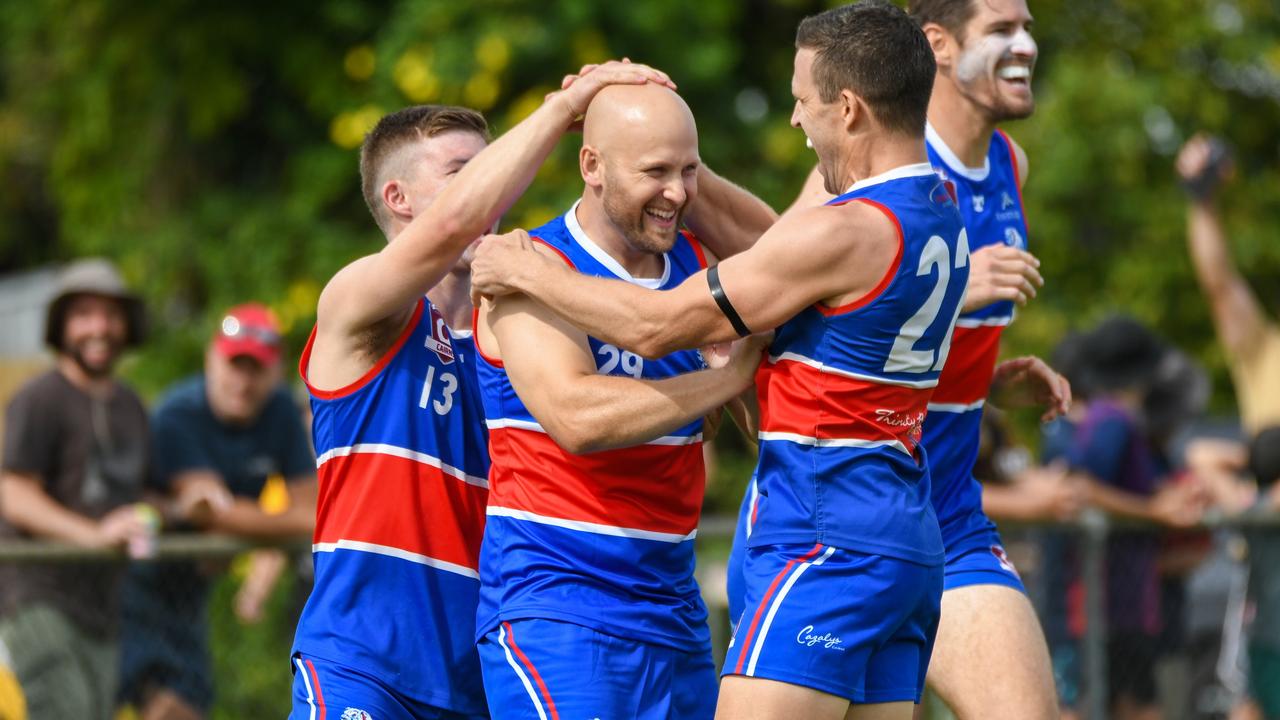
[251, 671]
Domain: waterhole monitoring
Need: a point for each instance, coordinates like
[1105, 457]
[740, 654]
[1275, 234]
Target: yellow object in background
[13, 704]
[275, 495]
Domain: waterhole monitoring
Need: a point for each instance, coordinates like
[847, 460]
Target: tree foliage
[211, 148]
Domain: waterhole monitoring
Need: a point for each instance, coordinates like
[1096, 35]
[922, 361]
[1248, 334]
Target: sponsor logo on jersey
[439, 342]
[979, 202]
[913, 422]
[355, 714]
[1006, 201]
[809, 638]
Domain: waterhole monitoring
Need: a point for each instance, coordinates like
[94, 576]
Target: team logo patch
[439, 342]
[1013, 238]
[355, 714]
[979, 203]
[1003, 559]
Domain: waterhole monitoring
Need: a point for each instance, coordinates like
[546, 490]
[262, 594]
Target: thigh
[849, 624]
[327, 690]
[991, 631]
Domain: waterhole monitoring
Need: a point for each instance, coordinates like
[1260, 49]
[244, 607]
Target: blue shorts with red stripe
[327, 691]
[980, 560]
[548, 669]
[850, 624]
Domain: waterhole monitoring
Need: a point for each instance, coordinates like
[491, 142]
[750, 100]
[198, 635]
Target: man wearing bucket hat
[74, 461]
[219, 439]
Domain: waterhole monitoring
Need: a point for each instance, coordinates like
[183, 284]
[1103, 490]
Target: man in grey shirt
[74, 461]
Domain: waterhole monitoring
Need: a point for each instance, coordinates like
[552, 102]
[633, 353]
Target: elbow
[576, 434]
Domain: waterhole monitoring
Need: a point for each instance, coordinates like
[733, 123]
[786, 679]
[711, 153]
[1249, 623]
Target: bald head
[639, 160]
[637, 115]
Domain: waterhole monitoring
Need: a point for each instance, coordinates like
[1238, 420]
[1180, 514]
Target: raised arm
[378, 286]
[551, 368]
[726, 217]
[1237, 315]
[838, 252]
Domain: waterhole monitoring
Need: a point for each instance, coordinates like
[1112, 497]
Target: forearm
[1121, 502]
[1006, 502]
[727, 218]
[1207, 242]
[244, 518]
[30, 509]
[601, 412]
[650, 323]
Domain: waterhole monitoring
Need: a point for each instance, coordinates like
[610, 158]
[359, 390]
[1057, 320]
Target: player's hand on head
[1001, 272]
[579, 89]
[1027, 381]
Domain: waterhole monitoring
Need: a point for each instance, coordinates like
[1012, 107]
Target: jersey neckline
[949, 158]
[598, 253]
[902, 171]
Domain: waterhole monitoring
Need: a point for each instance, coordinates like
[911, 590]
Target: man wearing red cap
[218, 439]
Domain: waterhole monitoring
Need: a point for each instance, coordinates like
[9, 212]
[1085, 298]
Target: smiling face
[641, 154]
[993, 65]
[94, 332]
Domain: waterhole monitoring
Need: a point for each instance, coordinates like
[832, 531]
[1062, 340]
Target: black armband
[722, 300]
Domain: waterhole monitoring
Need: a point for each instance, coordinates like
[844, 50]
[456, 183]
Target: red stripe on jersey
[888, 276]
[657, 488]
[383, 361]
[806, 401]
[966, 378]
[400, 503]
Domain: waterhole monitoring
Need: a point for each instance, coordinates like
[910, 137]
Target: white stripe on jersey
[510, 423]
[401, 452]
[396, 552]
[796, 357]
[598, 529]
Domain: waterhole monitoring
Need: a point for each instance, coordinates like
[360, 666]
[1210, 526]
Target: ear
[851, 109]
[591, 165]
[396, 200]
[943, 43]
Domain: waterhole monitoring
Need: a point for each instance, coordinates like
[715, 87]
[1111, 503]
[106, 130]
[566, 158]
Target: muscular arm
[727, 218]
[551, 368]
[840, 252]
[379, 286]
[1237, 316]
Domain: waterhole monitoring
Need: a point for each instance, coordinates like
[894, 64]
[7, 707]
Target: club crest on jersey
[438, 342]
[1003, 559]
[944, 193]
[1013, 238]
[355, 714]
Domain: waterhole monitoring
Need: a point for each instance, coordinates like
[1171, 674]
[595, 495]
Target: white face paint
[983, 56]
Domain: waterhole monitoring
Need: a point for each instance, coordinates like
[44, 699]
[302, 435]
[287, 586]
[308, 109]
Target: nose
[795, 115]
[675, 191]
[1024, 46]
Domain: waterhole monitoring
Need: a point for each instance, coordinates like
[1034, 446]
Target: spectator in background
[1250, 339]
[219, 439]
[75, 458]
[1117, 447]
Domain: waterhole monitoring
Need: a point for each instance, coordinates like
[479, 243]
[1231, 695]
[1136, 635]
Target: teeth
[1014, 72]
[808, 142]
[661, 215]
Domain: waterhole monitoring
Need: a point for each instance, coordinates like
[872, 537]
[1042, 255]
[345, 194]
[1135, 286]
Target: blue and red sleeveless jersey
[847, 388]
[605, 539]
[403, 467]
[990, 201]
